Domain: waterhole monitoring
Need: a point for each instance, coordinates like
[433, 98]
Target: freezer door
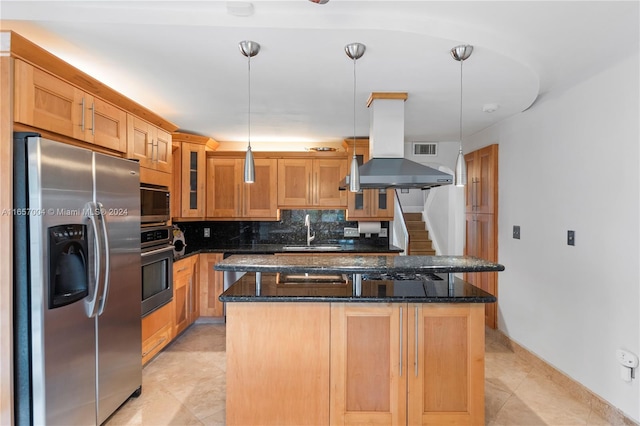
[62, 336]
[117, 185]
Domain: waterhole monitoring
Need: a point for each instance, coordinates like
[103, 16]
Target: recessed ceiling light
[239, 8]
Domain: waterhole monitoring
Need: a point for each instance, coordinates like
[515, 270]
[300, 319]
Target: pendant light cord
[461, 63]
[249, 91]
[354, 107]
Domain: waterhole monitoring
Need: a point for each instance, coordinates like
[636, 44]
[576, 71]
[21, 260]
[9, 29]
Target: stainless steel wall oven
[157, 268]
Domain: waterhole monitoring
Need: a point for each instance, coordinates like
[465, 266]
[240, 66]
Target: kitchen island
[323, 350]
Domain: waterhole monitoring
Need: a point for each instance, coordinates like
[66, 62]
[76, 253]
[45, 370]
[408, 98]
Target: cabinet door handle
[182, 269]
[401, 342]
[93, 118]
[82, 117]
[309, 186]
[152, 147]
[416, 340]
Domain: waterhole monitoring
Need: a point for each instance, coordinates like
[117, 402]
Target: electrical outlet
[516, 232]
[351, 232]
[207, 232]
[383, 232]
[571, 238]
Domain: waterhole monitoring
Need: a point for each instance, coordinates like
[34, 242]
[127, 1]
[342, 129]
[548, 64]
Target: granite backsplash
[328, 226]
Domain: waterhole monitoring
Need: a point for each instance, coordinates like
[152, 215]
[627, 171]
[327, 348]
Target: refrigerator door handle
[105, 255]
[96, 280]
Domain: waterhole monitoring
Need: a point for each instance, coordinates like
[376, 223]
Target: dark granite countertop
[335, 263]
[280, 248]
[374, 291]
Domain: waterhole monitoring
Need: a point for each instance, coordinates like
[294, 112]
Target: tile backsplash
[328, 226]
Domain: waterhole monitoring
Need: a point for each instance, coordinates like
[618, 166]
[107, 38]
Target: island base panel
[277, 364]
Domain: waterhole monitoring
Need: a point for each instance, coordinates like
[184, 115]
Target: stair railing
[400, 231]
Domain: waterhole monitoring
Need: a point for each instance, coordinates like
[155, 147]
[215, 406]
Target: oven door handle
[157, 251]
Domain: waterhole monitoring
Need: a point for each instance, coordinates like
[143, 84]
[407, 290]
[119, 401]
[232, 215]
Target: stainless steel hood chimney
[387, 167]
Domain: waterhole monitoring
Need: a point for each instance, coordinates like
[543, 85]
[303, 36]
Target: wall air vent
[425, 148]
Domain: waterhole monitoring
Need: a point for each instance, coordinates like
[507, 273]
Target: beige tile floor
[185, 385]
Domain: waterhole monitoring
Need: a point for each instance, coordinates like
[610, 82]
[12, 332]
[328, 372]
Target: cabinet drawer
[155, 343]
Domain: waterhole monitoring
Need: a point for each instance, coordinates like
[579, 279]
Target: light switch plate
[383, 232]
[571, 238]
[516, 232]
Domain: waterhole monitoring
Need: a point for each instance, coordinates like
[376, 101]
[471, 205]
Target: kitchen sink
[313, 248]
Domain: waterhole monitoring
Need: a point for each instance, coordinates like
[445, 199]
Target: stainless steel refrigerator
[77, 289]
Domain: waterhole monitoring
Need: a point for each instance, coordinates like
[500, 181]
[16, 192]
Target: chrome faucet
[310, 237]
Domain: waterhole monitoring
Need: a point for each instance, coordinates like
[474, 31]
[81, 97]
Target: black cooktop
[399, 276]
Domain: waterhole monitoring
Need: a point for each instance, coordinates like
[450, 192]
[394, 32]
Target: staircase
[419, 241]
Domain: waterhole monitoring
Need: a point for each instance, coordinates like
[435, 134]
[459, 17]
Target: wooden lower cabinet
[277, 364]
[368, 366]
[353, 363]
[157, 331]
[186, 291]
[211, 285]
[413, 364]
[445, 374]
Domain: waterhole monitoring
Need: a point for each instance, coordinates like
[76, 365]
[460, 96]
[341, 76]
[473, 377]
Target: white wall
[572, 162]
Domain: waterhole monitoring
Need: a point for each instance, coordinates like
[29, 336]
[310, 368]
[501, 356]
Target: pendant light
[249, 49]
[355, 52]
[460, 54]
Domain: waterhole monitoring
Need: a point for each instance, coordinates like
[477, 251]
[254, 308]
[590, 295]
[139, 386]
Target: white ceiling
[181, 59]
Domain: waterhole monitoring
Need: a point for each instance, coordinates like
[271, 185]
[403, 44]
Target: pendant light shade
[460, 54]
[249, 49]
[355, 52]
[249, 167]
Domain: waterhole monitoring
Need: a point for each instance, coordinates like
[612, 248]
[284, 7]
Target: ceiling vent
[425, 148]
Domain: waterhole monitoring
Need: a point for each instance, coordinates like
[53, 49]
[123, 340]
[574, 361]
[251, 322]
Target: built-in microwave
[154, 204]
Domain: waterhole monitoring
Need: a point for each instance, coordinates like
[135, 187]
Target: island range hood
[387, 167]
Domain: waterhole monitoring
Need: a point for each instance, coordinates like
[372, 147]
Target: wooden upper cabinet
[150, 145]
[49, 103]
[371, 204]
[294, 181]
[260, 197]
[109, 128]
[189, 174]
[223, 187]
[229, 197]
[193, 178]
[482, 180]
[327, 174]
[306, 182]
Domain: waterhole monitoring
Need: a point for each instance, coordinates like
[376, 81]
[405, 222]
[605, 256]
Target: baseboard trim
[603, 408]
